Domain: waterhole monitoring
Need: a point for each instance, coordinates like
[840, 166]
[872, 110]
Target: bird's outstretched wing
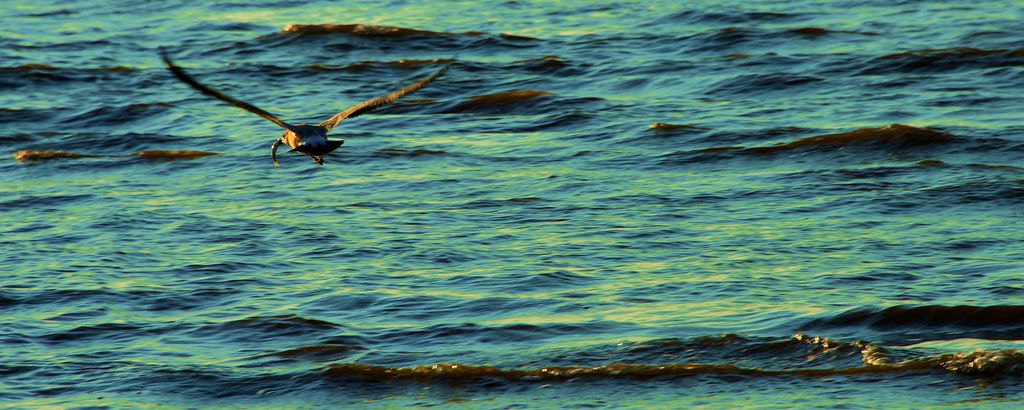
[369, 105]
[187, 79]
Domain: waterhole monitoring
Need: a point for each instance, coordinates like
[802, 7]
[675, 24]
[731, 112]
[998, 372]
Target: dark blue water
[624, 205]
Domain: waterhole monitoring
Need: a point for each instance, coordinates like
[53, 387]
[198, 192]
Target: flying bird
[306, 139]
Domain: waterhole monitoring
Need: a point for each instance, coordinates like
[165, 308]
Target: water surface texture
[652, 204]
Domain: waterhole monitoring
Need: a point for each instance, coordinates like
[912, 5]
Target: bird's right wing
[180, 74]
[369, 105]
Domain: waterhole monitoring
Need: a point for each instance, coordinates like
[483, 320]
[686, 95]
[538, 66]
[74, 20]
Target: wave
[661, 126]
[30, 67]
[51, 13]
[362, 30]
[931, 163]
[723, 39]
[762, 83]
[499, 102]
[174, 155]
[280, 322]
[728, 354]
[24, 115]
[517, 37]
[893, 136]
[734, 41]
[549, 63]
[997, 167]
[108, 144]
[818, 32]
[45, 67]
[30, 155]
[118, 332]
[282, 327]
[930, 316]
[326, 351]
[398, 152]
[496, 203]
[730, 17]
[415, 38]
[939, 163]
[981, 363]
[442, 334]
[910, 324]
[983, 188]
[945, 59]
[117, 115]
[36, 75]
[367, 65]
[70, 46]
[370, 30]
[560, 120]
[68, 297]
[735, 37]
[34, 201]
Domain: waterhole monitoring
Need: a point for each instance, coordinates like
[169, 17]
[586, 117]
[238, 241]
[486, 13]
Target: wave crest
[363, 30]
[944, 59]
[34, 155]
[979, 363]
[498, 101]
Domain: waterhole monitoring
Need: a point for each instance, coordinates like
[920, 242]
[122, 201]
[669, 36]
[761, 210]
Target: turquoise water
[626, 205]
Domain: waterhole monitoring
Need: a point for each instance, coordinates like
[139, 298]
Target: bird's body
[307, 139]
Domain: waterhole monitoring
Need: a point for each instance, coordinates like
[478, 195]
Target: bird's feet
[318, 160]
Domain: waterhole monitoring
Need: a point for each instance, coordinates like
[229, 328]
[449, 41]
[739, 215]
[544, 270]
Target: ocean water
[658, 204]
